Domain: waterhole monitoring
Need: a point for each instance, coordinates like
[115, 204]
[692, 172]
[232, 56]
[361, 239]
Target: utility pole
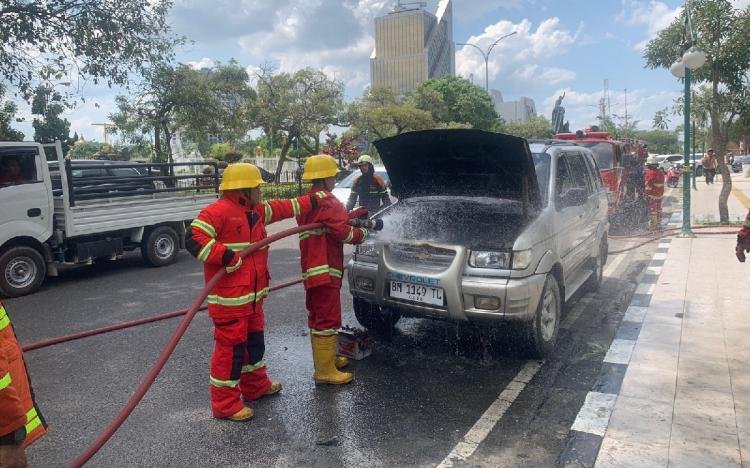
[626, 112]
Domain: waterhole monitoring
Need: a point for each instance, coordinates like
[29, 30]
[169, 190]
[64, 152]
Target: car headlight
[488, 259]
[366, 249]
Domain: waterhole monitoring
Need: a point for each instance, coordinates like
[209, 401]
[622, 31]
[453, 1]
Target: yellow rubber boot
[245, 414]
[324, 360]
[341, 362]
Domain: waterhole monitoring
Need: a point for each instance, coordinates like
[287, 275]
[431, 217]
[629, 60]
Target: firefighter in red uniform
[21, 422]
[654, 192]
[322, 258]
[220, 232]
[743, 240]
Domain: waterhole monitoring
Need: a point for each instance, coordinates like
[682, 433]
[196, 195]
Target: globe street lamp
[486, 56]
[691, 60]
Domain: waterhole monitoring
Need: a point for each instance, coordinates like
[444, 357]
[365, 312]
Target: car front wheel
[541, 332]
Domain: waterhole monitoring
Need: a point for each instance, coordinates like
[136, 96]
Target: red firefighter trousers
[324, 307]
[654, 206]
[237, 368]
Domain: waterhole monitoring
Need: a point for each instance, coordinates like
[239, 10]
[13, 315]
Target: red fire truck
[621, 163]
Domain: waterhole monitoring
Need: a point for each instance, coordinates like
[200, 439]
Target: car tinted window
[87, 173]
[596, 177]
[542, 168]
[563, 179]
[579, 171]
[17, 165]
[124, 172]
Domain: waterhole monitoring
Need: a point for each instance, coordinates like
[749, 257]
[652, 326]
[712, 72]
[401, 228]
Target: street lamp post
[692, 59]
[486, 56]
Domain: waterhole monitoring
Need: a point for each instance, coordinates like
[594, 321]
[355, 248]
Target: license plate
[417, 293]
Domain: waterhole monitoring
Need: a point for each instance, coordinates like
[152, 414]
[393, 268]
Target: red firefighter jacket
[225, 228]
[322, 250]
[743, 237]
[654, 184]
[17, 407]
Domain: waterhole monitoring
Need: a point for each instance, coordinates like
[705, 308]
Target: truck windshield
[603, 153]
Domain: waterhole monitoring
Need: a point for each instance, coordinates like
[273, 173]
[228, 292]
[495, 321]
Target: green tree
[295, 108]
[84, 150]
[455, 99]
[44, 40]
[8, 111]
[48, 104]
[661, 119]
[659, 141]
[722, 32]
[536, 127]
[381, 114]
[167, 100]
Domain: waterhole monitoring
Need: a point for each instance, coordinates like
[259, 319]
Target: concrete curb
[585, 437]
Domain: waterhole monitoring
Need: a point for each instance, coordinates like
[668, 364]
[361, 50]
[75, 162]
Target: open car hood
[460, 162]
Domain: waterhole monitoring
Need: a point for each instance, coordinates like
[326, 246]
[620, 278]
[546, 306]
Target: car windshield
[542, 168]
[603, 153]
[349, 180]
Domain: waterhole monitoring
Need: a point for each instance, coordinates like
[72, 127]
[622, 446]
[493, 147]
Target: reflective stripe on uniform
[329, 332]
[269, 212]
[238, 301]
[657, 185]
[204, 226]
[320, 194]
[295, 207]
[223, 383]
[4, 319]
[313, 232]
[32, 420]
[336, 273]
[350, 237]
[238, 246]
[253, 367]
[322, 270]
[5, 381]
[206, 250]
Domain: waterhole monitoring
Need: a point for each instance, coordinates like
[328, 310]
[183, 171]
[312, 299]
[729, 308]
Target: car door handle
[34, 212]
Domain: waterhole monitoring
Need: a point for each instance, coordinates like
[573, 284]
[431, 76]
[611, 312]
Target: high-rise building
[513, 111]
[412, 45]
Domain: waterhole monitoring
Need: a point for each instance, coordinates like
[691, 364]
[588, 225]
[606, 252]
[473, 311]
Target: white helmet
[651, 161]
[364, 159]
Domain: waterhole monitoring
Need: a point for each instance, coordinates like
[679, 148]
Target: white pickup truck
[54, 214]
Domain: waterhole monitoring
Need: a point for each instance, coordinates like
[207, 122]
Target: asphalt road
[412, 400]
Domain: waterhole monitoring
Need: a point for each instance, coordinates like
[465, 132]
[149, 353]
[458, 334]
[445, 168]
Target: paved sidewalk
[705, 200]
[685, 397]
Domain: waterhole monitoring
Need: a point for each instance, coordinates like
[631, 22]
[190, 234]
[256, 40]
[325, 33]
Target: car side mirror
[575, 196]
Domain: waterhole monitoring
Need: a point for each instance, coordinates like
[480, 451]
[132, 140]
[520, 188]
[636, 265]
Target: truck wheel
[375, 318]
[23, 271]
[595, 280]
[160, 247]
[541, 332]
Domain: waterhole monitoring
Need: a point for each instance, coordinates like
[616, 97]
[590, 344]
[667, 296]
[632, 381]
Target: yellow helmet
[320, 166]
[240, 176]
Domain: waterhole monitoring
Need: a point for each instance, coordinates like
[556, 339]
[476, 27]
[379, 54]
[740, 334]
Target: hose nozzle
[372, 224]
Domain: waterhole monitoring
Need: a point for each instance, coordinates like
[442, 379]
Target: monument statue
[558, 116]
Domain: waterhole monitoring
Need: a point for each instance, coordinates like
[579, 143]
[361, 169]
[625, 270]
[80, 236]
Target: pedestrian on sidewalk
[322, 258]
[743, 240]
[654, 192]
[21, 423]
[710, 163]
[218, 234]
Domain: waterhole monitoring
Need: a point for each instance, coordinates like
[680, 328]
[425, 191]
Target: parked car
[738, 162]
[343, 189]
[97, 176]
[486, 229]
[669, 160]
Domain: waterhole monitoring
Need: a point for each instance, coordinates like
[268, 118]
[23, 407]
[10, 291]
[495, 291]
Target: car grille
[421, 256]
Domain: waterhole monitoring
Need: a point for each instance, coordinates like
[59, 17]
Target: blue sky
[569, 47]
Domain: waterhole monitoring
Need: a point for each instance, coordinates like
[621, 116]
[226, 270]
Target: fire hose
[140, 392]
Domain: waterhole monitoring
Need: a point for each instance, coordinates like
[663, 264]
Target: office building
[513, 111]
[411, 46]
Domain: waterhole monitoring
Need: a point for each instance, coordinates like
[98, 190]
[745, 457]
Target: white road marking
[619, 351]
[479, 431]
[593, 417]
[654, 270]
[660, 256]
[635, 314]
[665, 245]
[573, 315]
[645, 288]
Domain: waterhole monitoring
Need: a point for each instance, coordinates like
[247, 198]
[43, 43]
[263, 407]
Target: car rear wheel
[22, 271]
[375, 318]
[540, 334]
[160, 247]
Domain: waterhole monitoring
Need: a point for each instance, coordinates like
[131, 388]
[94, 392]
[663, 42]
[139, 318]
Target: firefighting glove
[230, 261]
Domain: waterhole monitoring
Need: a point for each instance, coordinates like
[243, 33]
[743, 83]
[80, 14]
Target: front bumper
[518, 297]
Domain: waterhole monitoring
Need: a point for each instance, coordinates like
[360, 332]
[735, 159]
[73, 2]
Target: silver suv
[487, 228]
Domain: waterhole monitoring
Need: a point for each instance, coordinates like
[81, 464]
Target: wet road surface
[412, 400]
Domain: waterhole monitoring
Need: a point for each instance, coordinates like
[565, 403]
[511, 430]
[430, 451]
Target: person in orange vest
[654, 192]
[235, 305]
[21, 422]
[743, 240]
[322, 259]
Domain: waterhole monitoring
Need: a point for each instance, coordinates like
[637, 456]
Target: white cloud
[205, 62]
[518, 57]
[653, 15]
